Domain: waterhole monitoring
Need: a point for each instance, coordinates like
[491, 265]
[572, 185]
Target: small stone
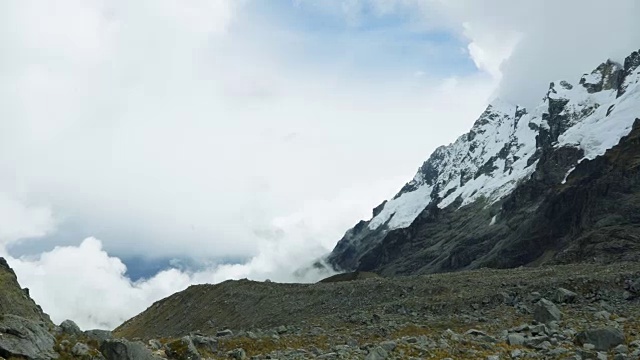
[602, 315]
[223, 333]
[237, 354]
[377, 353]
[538, 329]
[535, 296]
[515, 339]
[516, 354]
[155, 344]
[204, 342]
[328, 356]
[621, 349]
[545, 311]
[388, 346]
[281, 330]
[80, 349]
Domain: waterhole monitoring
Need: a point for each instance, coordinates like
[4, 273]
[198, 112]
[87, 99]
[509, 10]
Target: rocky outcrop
[25, 338]
[16, 301]
[120, 349]
[24, 327]
[558, 184]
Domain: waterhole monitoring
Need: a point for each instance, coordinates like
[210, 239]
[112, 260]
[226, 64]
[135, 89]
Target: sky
[149, 145]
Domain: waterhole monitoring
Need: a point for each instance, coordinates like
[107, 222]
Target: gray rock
[603, 339]
[535, 297]
[207, 343]
[282, 330]
[515, 339]
[182, 349]
[225, 332]
[545, 311]
[602, 315]
[70, 328]
[621, 349]
[98, 335]
[238, 354]
[563, 295]
[20, 337]
[328, 356]
[120, 349]
[80, 349]
[388, 346]
[377, 353]
[155, 344]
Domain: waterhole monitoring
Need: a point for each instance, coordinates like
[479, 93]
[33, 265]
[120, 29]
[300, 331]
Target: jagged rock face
[16, 301]
[497, 196]
[24, 328]
[25, 339]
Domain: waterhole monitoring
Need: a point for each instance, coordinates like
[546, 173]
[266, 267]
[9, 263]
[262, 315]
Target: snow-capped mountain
[484, 172]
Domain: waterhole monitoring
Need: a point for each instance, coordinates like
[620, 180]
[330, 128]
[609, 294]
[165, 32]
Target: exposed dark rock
[70, 328]
[25, 338]
[182, 349]
[545, 312]
[603, 339]
[99, 336]
[120, 349]
[16, 301]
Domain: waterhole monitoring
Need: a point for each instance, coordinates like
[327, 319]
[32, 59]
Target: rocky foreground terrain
[584, 311]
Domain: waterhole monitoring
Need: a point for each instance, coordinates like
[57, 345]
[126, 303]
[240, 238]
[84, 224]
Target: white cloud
[531, 43]
[21, 221]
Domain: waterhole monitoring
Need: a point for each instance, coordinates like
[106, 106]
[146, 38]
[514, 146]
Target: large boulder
[603, 339]
[182, 349]
[545, 312]
[98, 336]
[120, 349]
[563, 295]
[208, 344]
[24, 338]
[68, 327]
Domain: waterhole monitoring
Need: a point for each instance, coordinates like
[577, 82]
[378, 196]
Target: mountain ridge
[507, 147]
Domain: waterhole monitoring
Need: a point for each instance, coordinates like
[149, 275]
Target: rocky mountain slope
[555, 184]
[15, 300]
[480, 314]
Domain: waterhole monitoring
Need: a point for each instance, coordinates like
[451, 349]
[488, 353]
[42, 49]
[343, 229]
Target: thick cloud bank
[87, 285]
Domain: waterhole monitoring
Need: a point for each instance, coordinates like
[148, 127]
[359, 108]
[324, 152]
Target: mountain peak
[505, 164]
